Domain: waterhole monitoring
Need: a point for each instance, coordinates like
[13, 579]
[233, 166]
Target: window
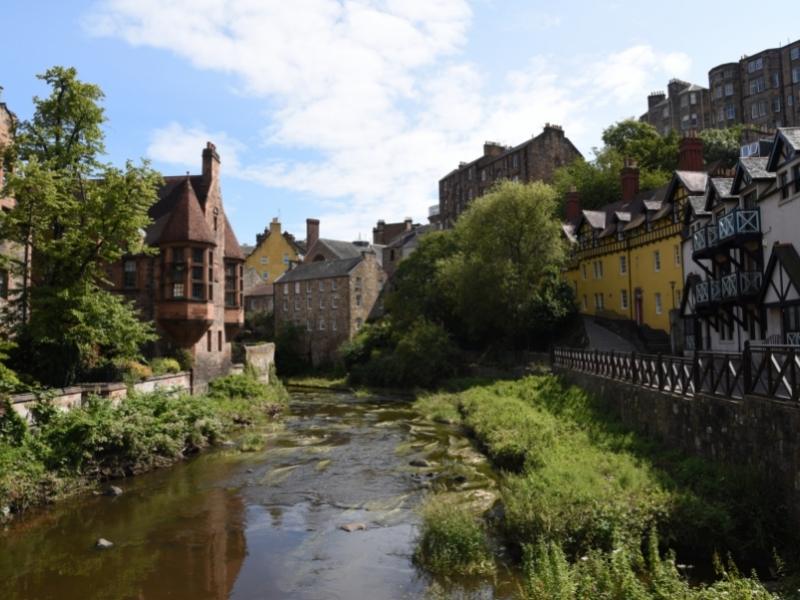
[308, 301]
[758, 109]
[334, 301]
[358, 299]
[285, 259]
[659, 308]
[755, 65]
[656, 260]
[729, 89]
[219, 340]
[598, 269]
[322, 301]
[483, 174]
[515, 161]
[623, 299]
[718, 92]
[795, 74]
[208, 341]
[783, 184]
[333, 285]
[789, 100]
[623, 264]
[129, 274]
[795, 53]
[776, 104]
[285, 305]
[730, 111]
[796, 177]
[585, 302]
[296, 303]
[359, 322]
[265, 276]
[264, 260]
[665, 114]
[684, 101]
[322, 324]
[321, 285]
[598, 301]
[333, 324]
[308, 325]
[286, 289]
[230, 284]
[308, 287]
[692, 98]
[178, 290]
[583, 270]
[677, 250]
[757, 85]
[776, 79]
[358, 283]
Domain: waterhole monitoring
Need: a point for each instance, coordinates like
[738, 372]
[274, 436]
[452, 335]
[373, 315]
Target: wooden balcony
[732, 230]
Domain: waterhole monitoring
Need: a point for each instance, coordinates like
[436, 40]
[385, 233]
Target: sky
[351, 111]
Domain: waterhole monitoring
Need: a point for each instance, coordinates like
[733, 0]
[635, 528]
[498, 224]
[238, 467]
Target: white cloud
[377, 90]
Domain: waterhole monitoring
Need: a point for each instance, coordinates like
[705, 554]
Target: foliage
[164, 366]
[291, 358]
[79, 216]
[101, 440]
[722, 144]
[258, 327]
[184, 357]
[9, 382]
[641, 142]
[452, 540]
[625, 574]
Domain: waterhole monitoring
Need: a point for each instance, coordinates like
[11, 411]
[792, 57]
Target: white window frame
[623, 265]
[657, 261]
[658, 304]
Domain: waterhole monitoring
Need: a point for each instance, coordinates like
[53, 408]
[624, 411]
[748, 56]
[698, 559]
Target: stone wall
[757, 432]
[261, 357]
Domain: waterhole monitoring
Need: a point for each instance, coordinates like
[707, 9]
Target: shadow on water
[262, 525]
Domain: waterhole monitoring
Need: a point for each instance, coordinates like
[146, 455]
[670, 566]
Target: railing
[699, 241]
[771, 372]
[733, 286]
[737, 222]
[701, 293]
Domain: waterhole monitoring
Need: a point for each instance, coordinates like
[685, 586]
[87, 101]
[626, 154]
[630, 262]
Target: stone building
[273, 252]
[192, 288]
[685, 106]
[401, 247]
[533, 160]
[329, 300]
[384, 232]
[11, 255]
[761, 92]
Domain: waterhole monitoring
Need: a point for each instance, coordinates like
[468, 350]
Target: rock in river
[113, 490]
[420, 462]
[351, 527]
[103, 544]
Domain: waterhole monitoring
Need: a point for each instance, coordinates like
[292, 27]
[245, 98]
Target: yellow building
[273, 252]
[626, 258]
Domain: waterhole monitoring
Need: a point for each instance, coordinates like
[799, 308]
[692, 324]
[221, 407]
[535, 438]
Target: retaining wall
[759, 432]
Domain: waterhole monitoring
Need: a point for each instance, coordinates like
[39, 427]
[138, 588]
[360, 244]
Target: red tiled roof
[186, 221]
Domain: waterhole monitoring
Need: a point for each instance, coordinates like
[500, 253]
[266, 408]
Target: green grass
[328, 383]
[452, 539]
[66, 451]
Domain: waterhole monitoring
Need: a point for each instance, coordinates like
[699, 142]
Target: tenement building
[743, 284]
[329, 301]
[685, 106]
[192, 287]
[626, 263]
[533, 160]
[11, 255]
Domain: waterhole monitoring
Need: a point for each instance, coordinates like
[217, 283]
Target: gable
[782, 277]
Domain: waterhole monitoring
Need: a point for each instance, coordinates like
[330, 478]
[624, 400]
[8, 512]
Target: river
[263, 525]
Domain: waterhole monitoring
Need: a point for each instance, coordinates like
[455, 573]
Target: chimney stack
[275, 227]
[690, 152]
[210, 163]
[629, 176]
[312, 232]
[573, 205]
[408, 223]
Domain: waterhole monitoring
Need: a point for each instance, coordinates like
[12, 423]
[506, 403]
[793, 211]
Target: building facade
[744, 284]
[192, 288]
[11, 255]
[273, 252]
[626, 261]
[328, 301]
[534, 160]
[685, 106]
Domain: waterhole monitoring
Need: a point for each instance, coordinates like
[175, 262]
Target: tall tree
[78, 215]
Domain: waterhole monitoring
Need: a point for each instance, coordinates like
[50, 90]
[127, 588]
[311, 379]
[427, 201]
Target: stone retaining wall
[261, 357]
[758, 432]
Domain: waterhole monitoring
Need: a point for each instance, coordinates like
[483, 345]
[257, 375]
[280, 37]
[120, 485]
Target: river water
[263, 525]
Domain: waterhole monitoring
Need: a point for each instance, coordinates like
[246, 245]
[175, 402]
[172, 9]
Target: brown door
[637, 306]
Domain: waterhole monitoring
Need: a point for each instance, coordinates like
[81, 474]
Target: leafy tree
[510, 246]
[722, 144]
[641, 142]
[79, 215]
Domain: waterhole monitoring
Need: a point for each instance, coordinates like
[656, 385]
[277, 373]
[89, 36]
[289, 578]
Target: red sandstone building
[192, 288]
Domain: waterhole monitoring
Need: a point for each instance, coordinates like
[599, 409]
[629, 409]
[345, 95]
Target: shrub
[163, 366]
[131, 370]
[452, 540]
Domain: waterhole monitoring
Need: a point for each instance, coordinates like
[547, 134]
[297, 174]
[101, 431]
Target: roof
[340, 248]
[756, 167]
[185, 222]
[722, 186]
[787, 256]
[320, 270]
[698, 205]
[693, 181]
[786, 136]
[262, 289]
[596, 218]
[402, 239]
[232, 248]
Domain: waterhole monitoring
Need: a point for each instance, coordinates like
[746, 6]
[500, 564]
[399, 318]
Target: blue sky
[351, 111]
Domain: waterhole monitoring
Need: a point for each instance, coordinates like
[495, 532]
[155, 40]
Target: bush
[452, 540]
[290, 358]
[163, 366]
[131, 370]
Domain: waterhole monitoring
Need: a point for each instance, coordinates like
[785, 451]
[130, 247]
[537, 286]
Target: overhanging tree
[75, 215]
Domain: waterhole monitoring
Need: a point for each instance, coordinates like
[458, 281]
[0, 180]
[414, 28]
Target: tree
[509, 253]
[641, 142]
[722, 144]
[75, 215]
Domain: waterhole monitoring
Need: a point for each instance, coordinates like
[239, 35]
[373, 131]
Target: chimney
[210, 163]
[312, 232]
[655, 98]
[629, 176]
[377, 232]
[573, 205]
[275, 227]
[690, 152]
[492, 149]
[409, 224]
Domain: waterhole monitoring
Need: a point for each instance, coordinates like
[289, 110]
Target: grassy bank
[578, 486]
[63, 452]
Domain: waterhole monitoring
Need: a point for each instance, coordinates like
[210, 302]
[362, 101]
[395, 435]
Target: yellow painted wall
[272, 256]
[652, 282]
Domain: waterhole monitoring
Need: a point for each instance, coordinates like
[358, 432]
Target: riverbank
[581, 496]
[63, 453]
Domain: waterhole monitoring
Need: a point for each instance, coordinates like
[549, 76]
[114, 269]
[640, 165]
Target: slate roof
[596, 218]
[340, 248]
[320, 270]
[756, 167]
[792, 136]
[722, 186]
[262, 289]
[185, 222]
[698, 204]
[693, 181]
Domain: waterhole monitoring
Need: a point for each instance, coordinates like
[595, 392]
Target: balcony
[741, 286]
[734, 228]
